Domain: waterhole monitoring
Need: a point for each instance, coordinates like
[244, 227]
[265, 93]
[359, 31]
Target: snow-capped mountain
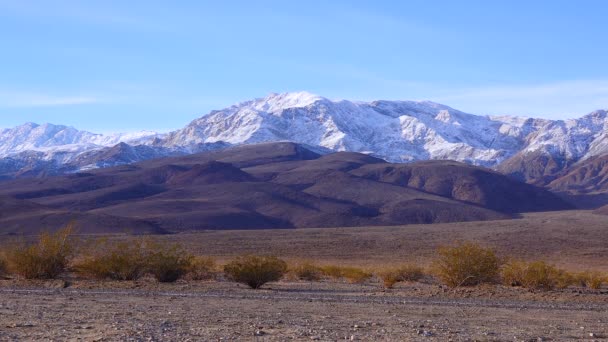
[52, 139]
[394, 130]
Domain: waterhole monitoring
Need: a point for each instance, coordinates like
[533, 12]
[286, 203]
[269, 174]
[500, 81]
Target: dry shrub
[46, 259]
[3, 266]
[332, 271]
[467, 264]
[513, 273]
[354, 275]
[167, 263]
[307, 271]
[124, 260]
[201, 268]
[537, 275]
[255, 271]
[390, 277]
[590, 279]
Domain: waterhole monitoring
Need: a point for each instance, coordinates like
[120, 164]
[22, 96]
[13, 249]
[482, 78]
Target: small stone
[259, 333]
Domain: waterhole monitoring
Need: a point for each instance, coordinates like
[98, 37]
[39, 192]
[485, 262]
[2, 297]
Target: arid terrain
[77, 309]
[217, 311]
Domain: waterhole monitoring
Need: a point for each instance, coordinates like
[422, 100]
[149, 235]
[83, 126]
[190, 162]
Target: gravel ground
[326, 311]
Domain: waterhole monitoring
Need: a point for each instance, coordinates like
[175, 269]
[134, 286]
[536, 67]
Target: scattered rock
[259, 333]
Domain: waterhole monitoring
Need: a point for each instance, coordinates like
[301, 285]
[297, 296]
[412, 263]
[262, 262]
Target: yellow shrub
[513, 273]
[390, 277]
[536, 275]
[167, 263]
[307, 271]
[354, 275]
[115, 260]
[255, 271]
[592, 280]
[332, 271]
[467, 264]
[201, 268]
[46, 259]
[3, 266]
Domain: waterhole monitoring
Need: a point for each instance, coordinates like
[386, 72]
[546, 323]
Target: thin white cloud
[558, 100]
[23, 99]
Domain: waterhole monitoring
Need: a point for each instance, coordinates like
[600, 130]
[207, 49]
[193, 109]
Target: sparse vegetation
[167, 263]
[332, 271]
[201, 268]
[467, 264]
[255, 271]
[354, 275]
[46, 259]
[115, 260]
[390, 277]
[307, 271]
[591, 279]
[537, 275]
[3, 266]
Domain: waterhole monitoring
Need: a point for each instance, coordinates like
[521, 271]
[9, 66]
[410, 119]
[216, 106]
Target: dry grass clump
[46, 259]
[114, 260]
[255, 271]
[353, 275]
[591, 279]
[390, 277]
[132, 260]
[201, 268]
[307, 271]
[3, 266]
[467, 264]
[167, 263]
[537, 275]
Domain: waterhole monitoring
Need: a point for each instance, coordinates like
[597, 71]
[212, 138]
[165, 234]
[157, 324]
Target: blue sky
[126, 65]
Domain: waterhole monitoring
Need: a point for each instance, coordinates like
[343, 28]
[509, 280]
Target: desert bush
[3, 266]
[355, 275]
[513, 273]
[124, 260]
[592, 280]
[390, 277]
[46, 259]
[167, 263]
[537, 275]
[201, 268]
[307, 271]
[467, 264]
[255, 271]
[332, 271]
[352, 274]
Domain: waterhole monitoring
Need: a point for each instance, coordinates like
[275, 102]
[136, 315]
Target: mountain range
[537, 151]
[265, 185]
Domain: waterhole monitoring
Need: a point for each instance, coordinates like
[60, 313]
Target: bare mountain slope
[280, 185]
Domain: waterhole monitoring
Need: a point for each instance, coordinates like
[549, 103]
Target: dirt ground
[73, 310]
[575, 240]
[299, 311]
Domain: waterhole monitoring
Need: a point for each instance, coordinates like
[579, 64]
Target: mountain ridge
[529, 149]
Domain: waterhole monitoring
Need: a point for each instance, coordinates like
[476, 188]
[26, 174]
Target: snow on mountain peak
[394, 130]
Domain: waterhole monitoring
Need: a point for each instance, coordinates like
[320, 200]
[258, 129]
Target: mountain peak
[278, 101]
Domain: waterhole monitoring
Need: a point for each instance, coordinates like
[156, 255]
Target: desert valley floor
[74, 309]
